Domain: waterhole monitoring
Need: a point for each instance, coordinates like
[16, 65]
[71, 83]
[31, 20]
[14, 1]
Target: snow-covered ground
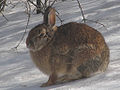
[17, 72]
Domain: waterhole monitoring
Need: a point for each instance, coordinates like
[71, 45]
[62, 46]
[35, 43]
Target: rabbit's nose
[29, 44]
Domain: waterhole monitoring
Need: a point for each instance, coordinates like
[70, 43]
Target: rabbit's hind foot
[69, 78]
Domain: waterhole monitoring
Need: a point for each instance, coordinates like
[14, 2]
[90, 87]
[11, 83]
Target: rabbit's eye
[42, 34]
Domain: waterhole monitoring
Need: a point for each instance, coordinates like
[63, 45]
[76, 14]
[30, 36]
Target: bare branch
[13, 5]
[42, 3]
[45, 3]
[36, 5]
[60, 19]
[4, 16]
[53, 3]
[81, 11]
[1, 1]
[32, 3]
[28, 10]
[96, 22]
[2, 5]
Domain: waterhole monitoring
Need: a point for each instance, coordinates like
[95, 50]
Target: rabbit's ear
[51, 17]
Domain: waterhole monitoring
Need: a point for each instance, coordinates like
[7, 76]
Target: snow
[17, 71]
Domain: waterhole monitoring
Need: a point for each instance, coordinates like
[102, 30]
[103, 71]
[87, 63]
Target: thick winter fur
[72, 52]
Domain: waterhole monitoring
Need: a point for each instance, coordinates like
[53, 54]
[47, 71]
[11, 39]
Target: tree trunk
[39, 6]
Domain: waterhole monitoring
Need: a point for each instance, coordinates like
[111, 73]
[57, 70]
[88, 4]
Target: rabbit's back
[74, 35]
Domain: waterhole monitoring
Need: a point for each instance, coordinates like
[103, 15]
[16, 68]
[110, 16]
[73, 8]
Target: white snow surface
[17, 71]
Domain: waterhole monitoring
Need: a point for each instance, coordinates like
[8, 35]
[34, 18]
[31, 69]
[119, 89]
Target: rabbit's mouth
[34, 48]
[31, 47]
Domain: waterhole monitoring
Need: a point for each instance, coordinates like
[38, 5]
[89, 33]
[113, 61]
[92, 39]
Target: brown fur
[69, 52]
[75, 51]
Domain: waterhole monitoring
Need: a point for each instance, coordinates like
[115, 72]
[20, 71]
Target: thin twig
[60, 19]
[13, 5]
[42, 3]
[1, 1]
[33, 3]
[45, 4]
[2, 4]
[28, 9]
[84, 19]
[81, 11]
[95, 22]
[53, 3]
[57, 11]
[4, 16]
[36, 5]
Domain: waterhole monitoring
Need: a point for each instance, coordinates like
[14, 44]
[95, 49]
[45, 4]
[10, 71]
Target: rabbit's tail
[105, 57]
[95, 65]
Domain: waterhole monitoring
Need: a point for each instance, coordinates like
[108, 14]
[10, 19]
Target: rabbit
[68, 52]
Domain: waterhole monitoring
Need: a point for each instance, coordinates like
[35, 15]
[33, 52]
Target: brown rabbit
[68, 52]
